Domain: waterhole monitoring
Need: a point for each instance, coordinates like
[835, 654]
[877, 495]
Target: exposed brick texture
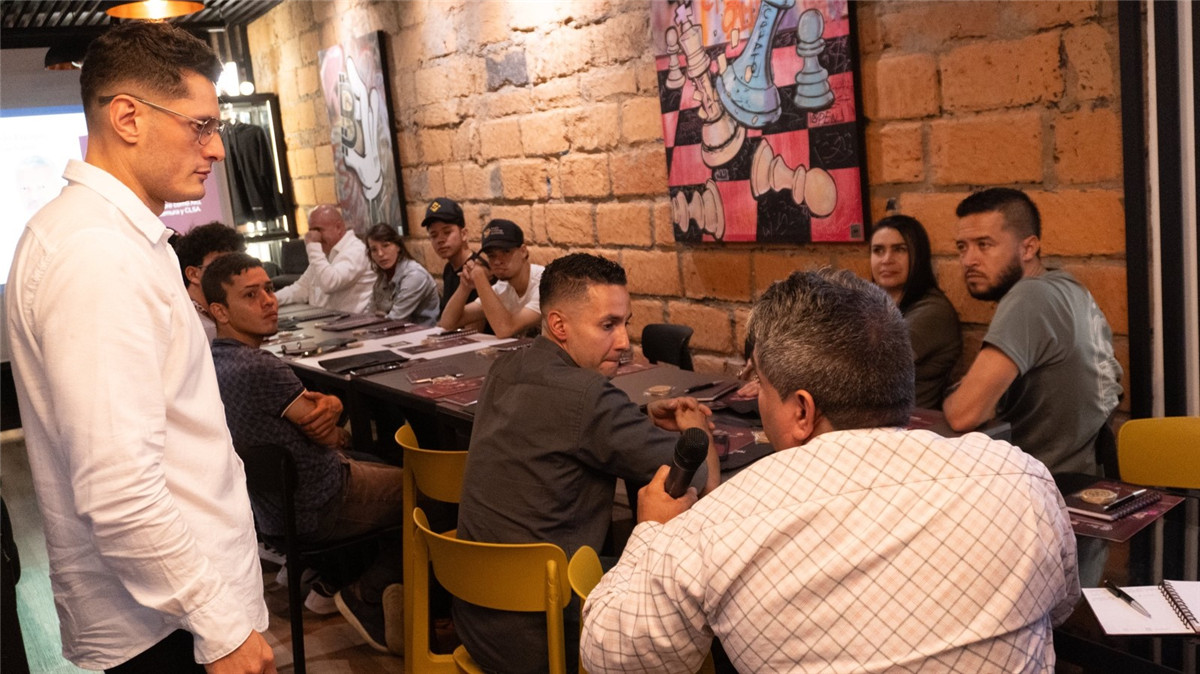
[547, 114]
[1086, 146]
[993, 149]
[1081, 222]
[624, 224]
[722, 275]
[896, 153]
[900, 87]
[991, 75]
[712, 324]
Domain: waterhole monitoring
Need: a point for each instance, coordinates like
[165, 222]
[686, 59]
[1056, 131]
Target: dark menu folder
[361, 361]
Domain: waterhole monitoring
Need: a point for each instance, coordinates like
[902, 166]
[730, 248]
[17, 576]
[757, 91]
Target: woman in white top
[404, 289]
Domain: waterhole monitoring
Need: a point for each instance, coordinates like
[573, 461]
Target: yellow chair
[438, 475]
[585, 572]
[520, 577]
[1163, 452]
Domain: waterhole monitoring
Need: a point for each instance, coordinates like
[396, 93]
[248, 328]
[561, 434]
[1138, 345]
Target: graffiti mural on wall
[356, 96]
[760, 120]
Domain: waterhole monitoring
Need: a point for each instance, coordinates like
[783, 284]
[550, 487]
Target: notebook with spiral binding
[1110, 500]
[1173, 606]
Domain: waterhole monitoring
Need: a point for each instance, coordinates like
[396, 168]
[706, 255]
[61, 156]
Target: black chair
[667, 343]
[271, 473]
[293, 260]
[1106, 451]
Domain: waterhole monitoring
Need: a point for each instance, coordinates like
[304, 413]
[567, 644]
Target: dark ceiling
[45, 23]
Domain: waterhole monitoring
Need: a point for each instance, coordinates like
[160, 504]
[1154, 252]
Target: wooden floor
[332, 646]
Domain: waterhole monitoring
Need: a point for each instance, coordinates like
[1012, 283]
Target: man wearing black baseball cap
[512, 306]
[447, 231]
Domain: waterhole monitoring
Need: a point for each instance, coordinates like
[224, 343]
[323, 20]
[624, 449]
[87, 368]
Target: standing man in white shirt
[153, 556]
[511, 306]
[339, 274]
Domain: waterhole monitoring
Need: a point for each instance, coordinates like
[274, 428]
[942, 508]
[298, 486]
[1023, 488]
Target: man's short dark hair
[568, 278]
[1020, 213]
[840, 338]
[144, 59]
[221, 272]
[215, 237]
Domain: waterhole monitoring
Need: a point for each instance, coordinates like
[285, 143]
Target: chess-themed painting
[354, 83]
[760, 120]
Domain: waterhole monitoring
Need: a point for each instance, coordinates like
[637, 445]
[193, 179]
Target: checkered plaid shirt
[866, 551]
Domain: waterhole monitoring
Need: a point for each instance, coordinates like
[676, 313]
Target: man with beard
[1047, 364]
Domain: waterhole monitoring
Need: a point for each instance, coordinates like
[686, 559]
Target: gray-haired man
[864, 535]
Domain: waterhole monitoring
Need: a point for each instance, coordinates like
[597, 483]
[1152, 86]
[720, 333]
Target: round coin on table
[1098, 496]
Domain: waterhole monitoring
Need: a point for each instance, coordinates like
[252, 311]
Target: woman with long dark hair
[404, 289]
[901, 264]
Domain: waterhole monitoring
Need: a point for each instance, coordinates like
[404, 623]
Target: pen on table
[701, 387]
[1125, 499]
[1124, 596]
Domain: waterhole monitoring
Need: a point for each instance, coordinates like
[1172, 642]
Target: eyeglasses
[205, 128]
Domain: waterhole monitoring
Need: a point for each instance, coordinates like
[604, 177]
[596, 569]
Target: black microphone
[690, 452]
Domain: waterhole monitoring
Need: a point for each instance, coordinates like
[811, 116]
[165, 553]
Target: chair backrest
[293, 257]
[439, 476]
[270, 469]
[530, 577]
[1163, 452]
[435, 473]
[668, 343]
[584, 572]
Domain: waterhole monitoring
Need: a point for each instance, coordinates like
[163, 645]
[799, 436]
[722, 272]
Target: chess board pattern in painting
[771, 151]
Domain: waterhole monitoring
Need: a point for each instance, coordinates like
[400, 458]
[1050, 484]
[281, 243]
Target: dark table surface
[1167, 549]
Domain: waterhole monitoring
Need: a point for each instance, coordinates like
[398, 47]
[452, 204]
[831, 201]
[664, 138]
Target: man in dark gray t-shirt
[1047, 364]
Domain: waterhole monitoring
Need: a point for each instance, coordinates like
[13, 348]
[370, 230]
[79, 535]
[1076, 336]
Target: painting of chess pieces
[760, 120]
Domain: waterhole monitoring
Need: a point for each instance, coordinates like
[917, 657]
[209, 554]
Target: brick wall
[546, 113]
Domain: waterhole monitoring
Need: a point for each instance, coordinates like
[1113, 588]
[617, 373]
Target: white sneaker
[308, 578]
[320, 603]
[271, 554]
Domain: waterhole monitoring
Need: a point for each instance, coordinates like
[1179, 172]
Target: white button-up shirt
[147, 518]
[862, 551]
[343, 281]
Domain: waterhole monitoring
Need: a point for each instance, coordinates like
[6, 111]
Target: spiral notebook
[1120, 492]
[1173, 606]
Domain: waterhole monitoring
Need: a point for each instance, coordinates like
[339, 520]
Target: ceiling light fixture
[154, 10]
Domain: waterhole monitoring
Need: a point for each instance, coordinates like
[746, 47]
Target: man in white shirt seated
[858, 545]
[339, 272]
[511, 306]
